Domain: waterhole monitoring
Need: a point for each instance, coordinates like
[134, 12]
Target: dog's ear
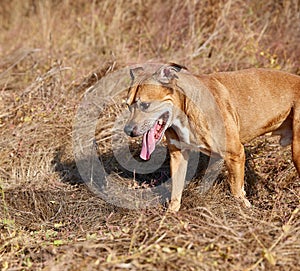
[134, 73]
[168, 72]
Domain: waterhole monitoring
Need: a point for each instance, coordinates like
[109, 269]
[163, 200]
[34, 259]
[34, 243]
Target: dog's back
[262, 99]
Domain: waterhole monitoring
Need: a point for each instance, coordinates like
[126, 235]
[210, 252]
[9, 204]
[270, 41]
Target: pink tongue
[148, 144]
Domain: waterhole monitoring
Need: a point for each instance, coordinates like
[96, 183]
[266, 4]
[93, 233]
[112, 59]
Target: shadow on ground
[69, 173]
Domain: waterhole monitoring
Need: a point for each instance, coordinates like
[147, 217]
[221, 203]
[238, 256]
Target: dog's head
[151, 102]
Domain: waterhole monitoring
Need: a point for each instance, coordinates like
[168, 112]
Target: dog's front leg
[178, 166]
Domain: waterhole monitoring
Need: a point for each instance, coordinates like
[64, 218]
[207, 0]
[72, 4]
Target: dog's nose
[130, 130]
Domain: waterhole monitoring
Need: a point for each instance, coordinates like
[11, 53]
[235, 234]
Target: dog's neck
[192, 122]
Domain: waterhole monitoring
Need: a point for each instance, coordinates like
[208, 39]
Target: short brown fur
[250, 103]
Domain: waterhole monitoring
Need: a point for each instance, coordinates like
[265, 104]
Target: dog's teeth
[160, 121]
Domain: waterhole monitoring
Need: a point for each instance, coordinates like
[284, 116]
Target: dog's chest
[182, 131]
[187, 139]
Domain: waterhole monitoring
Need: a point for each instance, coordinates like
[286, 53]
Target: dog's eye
[144, 106]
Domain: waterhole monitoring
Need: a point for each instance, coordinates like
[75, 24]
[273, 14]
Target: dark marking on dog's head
[177, 66]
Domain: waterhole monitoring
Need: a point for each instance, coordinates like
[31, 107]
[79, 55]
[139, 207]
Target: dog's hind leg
[235, 161]
[296, 139]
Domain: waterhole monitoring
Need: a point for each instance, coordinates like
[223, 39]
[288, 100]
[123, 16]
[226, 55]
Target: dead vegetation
[51, 52]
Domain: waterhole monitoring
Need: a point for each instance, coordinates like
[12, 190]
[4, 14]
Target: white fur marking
[182, 131]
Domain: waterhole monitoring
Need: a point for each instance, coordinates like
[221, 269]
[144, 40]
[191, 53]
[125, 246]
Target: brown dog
[214, 114]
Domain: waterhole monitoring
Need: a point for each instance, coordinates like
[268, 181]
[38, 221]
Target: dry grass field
[51, 52]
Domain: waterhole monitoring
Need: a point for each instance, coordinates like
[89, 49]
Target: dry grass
[51, 52]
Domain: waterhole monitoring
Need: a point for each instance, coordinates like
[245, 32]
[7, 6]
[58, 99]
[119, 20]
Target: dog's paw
[174, 206]
[247, 203]
[244, 201]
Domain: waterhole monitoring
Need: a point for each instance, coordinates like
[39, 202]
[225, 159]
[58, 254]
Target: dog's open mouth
[153, 136]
